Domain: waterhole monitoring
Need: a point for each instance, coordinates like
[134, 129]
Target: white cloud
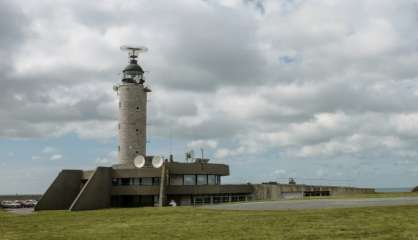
[201, 143]
[107, 160]
[55, 157]
[48, 150]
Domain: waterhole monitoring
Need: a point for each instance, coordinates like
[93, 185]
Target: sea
[404, 189]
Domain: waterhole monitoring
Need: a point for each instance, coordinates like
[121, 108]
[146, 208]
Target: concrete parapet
[198, 168]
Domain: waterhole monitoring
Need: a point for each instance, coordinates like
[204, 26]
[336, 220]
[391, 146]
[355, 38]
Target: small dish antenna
[139, 161]
[157, 161]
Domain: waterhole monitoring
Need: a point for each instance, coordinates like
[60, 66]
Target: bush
[415, 189]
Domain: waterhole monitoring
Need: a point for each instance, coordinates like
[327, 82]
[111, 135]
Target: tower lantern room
[133, 72]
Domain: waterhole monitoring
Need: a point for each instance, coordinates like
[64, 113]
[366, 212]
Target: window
[202, 179]
[176, 180]
[155, 181]
[189, 179]
[212, 179]
[146, 181]
[115, 181]
[125, 181]
[136, 181]
[137, 108]
[218, 179]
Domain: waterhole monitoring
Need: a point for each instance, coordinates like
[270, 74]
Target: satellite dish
[139, 161]
[157, 161]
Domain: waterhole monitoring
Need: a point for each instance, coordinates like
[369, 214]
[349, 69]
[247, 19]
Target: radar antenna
[133, 51]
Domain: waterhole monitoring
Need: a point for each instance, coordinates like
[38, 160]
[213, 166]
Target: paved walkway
[20, 211]
[317, 204]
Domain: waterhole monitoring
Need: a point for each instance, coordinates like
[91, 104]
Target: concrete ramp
[96, 193]
[62, 191]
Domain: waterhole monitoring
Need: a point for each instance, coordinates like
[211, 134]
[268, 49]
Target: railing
[218, 199]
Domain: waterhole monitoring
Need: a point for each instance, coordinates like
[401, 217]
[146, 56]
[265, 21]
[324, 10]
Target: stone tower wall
[132, 121]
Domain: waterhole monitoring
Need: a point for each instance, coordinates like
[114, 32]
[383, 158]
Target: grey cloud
[216, 73]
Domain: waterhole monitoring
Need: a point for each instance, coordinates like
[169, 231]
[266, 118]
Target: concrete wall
[136, 172]
[198, 168]
[132, 121]
[62, 191]
[278, 191]
[96, 192]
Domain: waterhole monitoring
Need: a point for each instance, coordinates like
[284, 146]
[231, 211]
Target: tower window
[137, 108]
[137, 129]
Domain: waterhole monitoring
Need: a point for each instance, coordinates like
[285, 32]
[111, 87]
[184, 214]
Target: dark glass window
[136, 181]
[125, 181]
[147, 181]
[189, 179]
[212, 179]
[156, 181]
[115, 181]
[176, 180]
[202, 179]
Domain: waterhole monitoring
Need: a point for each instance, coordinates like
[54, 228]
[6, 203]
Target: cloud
[107, 160]
[55, 157]
[281, 82]
[202, 144]
[48, 150]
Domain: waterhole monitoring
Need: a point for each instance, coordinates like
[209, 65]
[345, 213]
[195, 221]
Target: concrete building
[141, 180]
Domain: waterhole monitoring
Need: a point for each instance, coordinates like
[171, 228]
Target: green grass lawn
[196, 223]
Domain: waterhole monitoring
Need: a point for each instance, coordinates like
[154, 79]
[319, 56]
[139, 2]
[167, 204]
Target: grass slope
[194, 223]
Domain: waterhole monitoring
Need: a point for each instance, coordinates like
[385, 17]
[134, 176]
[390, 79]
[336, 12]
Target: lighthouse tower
[132, 109]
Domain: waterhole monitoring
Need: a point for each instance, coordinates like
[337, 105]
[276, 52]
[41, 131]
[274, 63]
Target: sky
[320, 90]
